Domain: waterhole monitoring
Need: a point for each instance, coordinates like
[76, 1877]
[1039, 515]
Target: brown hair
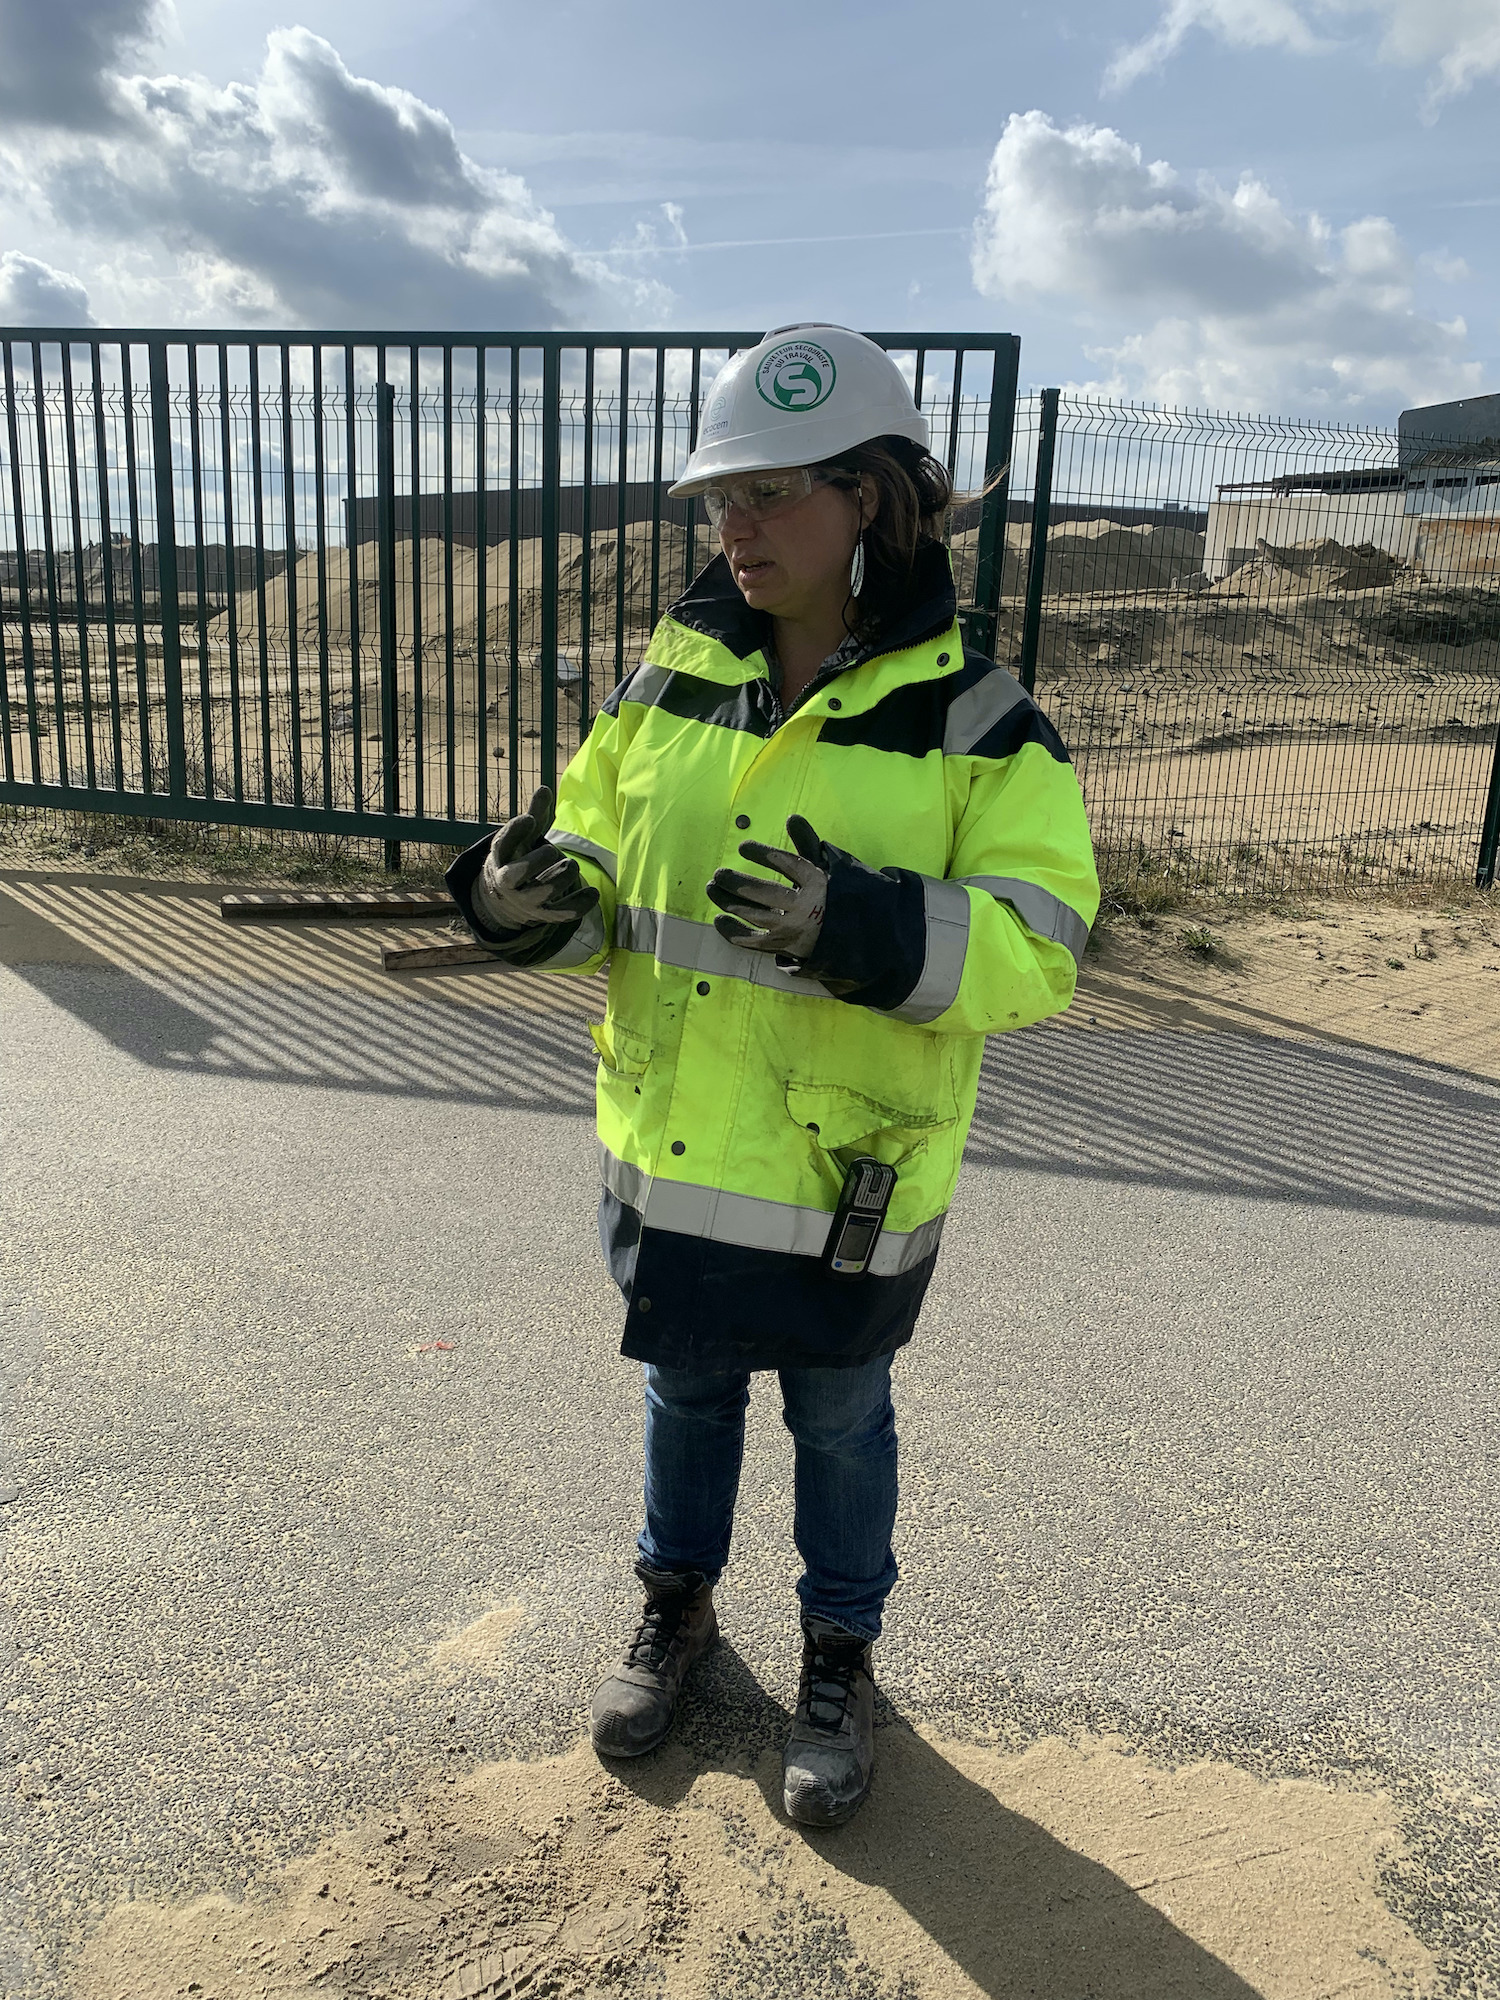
[915, 495]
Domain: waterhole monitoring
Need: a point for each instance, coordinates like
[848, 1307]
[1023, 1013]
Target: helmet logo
[796, 376]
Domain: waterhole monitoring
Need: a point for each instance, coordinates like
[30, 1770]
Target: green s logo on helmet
[798, 376]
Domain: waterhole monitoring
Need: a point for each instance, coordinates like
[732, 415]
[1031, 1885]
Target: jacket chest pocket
[843, 1123]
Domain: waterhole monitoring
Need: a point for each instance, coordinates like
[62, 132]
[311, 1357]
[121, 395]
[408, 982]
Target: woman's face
[796, 565]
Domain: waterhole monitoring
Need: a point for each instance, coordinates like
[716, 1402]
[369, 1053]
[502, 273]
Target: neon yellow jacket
[733, 1092]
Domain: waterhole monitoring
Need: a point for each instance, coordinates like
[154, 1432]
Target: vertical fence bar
[690, 549]
[168, 607]
[351, 558]
[289, 534]
[320, 533]
[49, 561]
[621, 476]
[137, 575]
[586, 553]
[551, 473]
[994, 508]
[385, 509]
[513, 621]
[450, 703]
[200, 576]
[1041, 513]
[414, 553]
[1489, 835]
[258, 516]
[232, 581]
[80, 584]
[107, 545]
[23, 565]
[482, 589]
[658, 433]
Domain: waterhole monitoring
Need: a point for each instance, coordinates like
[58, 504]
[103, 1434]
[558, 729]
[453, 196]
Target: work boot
[632, 1710]
[830, 1755]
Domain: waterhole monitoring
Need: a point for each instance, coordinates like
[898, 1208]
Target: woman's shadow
[1021, 1913]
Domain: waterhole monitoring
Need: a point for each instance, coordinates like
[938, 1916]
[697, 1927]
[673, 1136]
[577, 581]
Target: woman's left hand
[781, 917]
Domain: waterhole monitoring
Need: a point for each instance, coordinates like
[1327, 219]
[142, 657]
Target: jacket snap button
[834, 702]
[702, 985]
[942, 659]
[643, 1305]
[678, 1147]
[742, 820]
[811, 1127]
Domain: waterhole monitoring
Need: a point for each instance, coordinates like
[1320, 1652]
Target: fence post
[166, 569]
[1489, 835]
[551, 474]
[983, 620]
[385, 508]
[1041, 514]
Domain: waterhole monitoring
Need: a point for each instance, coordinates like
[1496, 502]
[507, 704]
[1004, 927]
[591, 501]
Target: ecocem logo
[797, 376]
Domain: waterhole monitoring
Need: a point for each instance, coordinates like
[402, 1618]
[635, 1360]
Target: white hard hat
[805, 394]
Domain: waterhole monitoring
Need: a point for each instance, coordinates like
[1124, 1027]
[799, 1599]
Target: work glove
[525, 879]
[781, 917]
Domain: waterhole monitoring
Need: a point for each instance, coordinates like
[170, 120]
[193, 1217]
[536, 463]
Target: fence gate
[368, 584]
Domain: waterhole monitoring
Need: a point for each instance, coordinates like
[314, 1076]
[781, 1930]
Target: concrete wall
[1455, 542]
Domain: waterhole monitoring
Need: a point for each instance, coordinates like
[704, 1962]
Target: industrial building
[1436, 510]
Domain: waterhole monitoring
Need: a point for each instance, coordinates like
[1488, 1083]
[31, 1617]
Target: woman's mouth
[751, 570]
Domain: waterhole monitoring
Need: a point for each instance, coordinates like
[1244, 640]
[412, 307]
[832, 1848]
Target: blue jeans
[845, 1432]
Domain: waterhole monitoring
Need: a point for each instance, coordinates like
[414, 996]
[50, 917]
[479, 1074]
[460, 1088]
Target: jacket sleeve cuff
[873, 944]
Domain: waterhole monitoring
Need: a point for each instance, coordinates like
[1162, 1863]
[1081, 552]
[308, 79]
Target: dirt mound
[1302, 568]
[1441, 618]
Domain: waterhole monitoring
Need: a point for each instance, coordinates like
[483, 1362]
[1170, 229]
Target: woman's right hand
[526, 880]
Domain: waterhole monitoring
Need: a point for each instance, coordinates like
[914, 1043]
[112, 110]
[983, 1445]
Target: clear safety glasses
[762, 495]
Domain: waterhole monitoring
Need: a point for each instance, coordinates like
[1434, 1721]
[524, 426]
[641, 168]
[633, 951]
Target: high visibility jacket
[733, 1092]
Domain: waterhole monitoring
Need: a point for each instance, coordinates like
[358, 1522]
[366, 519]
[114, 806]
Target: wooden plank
[414, 958]
[347, 905]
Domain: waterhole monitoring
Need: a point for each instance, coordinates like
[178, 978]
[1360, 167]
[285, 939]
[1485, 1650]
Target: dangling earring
[857, 567]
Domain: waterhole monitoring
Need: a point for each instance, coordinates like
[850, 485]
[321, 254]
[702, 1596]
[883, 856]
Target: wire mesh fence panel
[1273, 649]
[369, 585]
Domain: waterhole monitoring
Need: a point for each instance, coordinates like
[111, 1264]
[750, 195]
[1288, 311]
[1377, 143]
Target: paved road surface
[1199, 1431]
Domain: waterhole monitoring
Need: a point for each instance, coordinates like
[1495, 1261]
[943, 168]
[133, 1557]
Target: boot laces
[828, 1683]
[661, 1621]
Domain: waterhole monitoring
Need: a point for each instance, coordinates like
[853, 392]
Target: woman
[785, 1041]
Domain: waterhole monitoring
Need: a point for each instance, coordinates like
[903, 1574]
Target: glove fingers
[742, 934]
[539, 812]
[793, 866]
[806, 842]
[513, 838]
[729, 887]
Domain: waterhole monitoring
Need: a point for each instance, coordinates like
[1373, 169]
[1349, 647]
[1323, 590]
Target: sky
[1283, 207]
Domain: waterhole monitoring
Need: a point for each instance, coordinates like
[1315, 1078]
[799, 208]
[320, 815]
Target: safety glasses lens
[760, 495]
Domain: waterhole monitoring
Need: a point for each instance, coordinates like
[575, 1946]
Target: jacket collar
[713, 608]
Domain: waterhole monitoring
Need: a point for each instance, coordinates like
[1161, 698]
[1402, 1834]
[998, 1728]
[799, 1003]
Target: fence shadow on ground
[1200, 1112]
[1005, 1900]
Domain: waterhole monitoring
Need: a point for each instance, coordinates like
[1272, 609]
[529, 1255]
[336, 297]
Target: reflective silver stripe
[646, 685]
[1038, 909]
[975, 712]
[574, 843]
[695, 947]
[947, 912]
[585, 941]
[684, 1209]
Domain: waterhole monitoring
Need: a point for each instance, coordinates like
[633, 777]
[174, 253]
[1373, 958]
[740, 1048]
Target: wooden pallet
[348, 905]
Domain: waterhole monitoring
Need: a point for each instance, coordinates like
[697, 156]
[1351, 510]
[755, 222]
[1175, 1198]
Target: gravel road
[309, 1362]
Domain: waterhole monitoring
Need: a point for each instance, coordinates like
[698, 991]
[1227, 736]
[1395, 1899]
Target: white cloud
[1246, 305]
[309, 195]
[1457, 41]
[34, 294]
[59, 58]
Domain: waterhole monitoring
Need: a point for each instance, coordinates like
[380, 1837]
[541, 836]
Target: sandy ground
[560, 1876]
[1142, 1876]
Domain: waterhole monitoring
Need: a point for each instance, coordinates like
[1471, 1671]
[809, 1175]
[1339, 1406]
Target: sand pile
[971, 1872]
[1305, 568]
[1099, 556]
[422, 588]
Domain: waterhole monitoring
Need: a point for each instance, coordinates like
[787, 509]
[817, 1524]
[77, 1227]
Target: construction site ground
[324, 1471]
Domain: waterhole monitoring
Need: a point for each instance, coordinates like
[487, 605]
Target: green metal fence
[366, 584]
[1273, 648]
